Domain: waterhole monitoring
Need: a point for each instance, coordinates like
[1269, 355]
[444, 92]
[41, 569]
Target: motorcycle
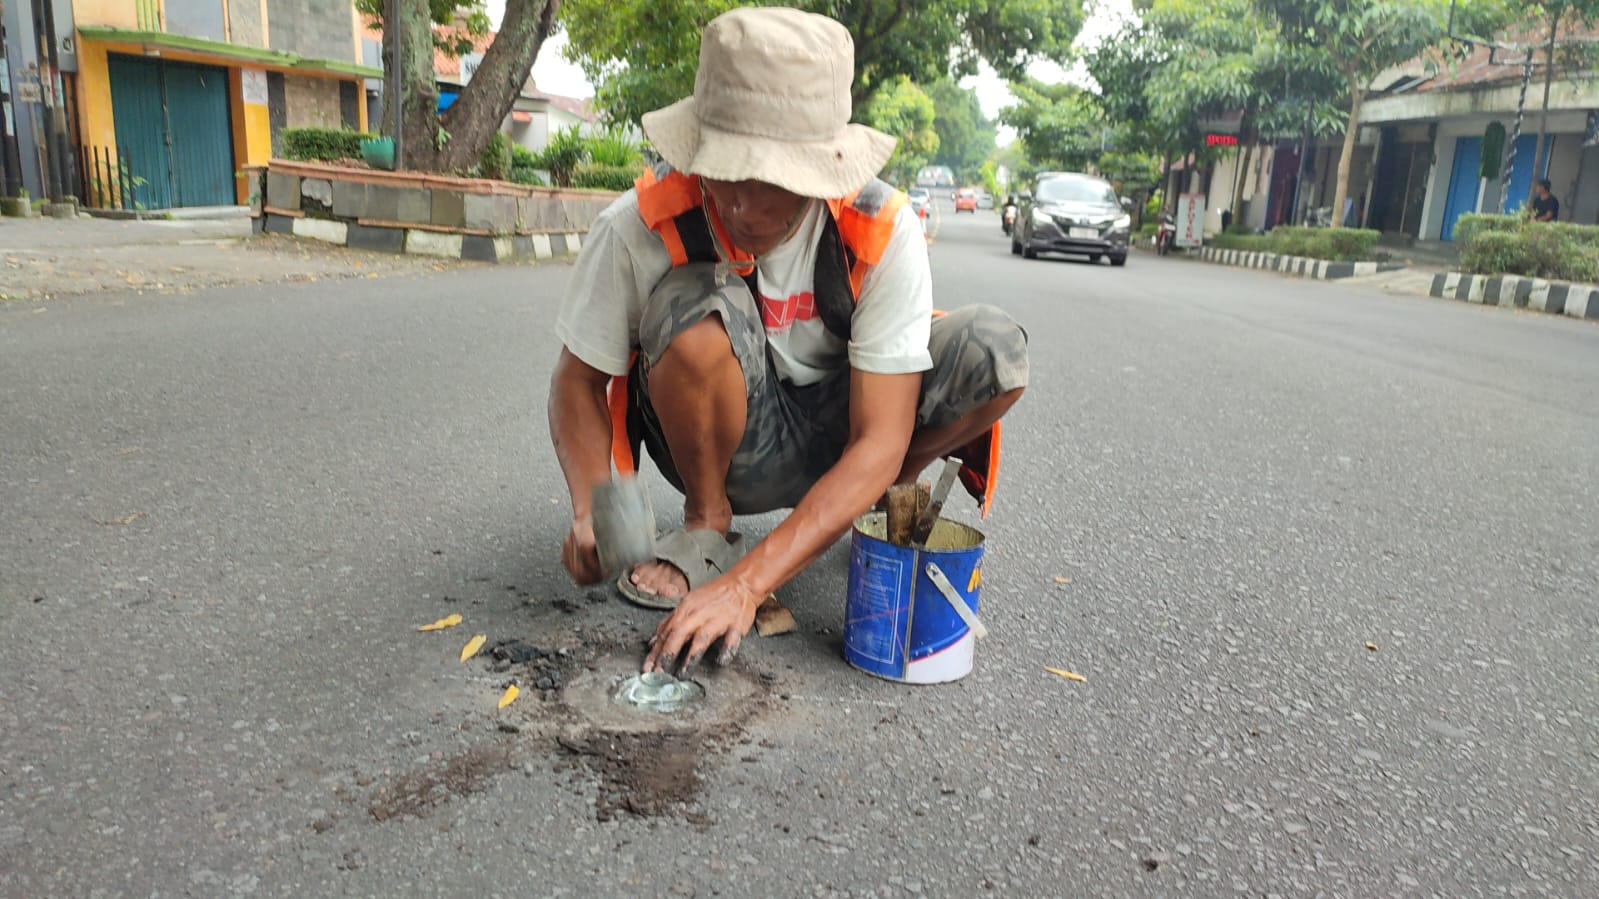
[1007, 217]
[1166, 234]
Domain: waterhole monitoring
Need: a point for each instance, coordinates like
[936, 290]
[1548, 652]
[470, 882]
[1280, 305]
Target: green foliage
[1335, 244]
[452, 40]
[596, 176]
[642, 54]
[523, 166]
[1510, 244]
[1060, 125]
[905, 111]
[965, 137]
[562, 155]
[988, 177]
[614, 149]
[312, 144]
[495, 162]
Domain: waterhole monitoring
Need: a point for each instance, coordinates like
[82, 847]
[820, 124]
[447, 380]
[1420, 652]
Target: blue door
[174, 131]
[1463, 183]
[1521, 171]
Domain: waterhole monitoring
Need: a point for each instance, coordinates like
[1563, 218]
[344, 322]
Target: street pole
[1510, 152]
[1540, 166]
[392, 89]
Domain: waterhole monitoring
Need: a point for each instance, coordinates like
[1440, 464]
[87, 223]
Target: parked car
[966, 200]
[1069, 212]
[921, 198]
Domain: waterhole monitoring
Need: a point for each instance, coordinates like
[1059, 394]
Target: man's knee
[700, 351]
[981, 343]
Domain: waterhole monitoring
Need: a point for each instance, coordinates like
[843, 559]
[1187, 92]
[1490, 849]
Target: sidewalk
[45, 258]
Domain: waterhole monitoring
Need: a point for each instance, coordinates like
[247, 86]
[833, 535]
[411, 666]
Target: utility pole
[10, 155]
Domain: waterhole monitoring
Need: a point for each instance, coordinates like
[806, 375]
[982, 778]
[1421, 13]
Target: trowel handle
[955, 601]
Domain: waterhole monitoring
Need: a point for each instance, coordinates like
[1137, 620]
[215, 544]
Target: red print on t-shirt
[779, 315]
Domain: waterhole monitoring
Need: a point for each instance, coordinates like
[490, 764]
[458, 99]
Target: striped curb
[423, 242]
[1320, 269]
[1537, 294]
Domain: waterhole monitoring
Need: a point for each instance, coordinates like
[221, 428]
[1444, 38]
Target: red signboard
[1221, 140]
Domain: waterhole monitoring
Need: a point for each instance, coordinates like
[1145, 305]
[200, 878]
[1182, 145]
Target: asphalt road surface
[1326, 558]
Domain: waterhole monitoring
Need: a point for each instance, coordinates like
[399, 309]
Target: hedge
[307, 144]
[606, 177]
[1335, 244]
[1512, 245]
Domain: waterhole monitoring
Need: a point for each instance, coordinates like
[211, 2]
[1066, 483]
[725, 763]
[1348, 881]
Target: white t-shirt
[622, 261]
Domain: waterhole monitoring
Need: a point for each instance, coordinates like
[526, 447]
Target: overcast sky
[552, 73]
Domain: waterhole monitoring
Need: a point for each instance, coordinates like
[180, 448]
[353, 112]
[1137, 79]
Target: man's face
[757, 215]
[1543, 191]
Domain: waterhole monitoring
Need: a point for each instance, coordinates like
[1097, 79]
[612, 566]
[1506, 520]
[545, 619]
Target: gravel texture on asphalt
[1325, 557]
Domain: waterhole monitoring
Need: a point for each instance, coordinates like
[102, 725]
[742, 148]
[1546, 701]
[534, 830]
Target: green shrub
[495, 163]
[1345, 244]
[561, 157]
[310, 144]
[1336, 244]
[1251, 243]
[606, 177]
[1471, 224]
[613, 149]
[1559, 251]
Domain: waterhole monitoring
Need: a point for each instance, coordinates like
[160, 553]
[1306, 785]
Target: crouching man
[758, 314]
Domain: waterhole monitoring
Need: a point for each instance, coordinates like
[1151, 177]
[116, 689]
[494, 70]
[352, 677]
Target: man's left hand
[722, 609]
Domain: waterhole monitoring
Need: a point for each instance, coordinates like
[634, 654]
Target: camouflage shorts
[794, 434]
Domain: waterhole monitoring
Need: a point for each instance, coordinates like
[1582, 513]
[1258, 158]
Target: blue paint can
[897, 624]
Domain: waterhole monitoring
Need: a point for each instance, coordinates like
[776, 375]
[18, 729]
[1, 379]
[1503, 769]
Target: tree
[1358, 39]
[454, 139]
[965, 137]
[642, 54]
[1059, 125]
[905, 111]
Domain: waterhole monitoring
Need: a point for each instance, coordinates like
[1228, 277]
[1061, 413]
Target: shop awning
[225, 52]
[522, 117]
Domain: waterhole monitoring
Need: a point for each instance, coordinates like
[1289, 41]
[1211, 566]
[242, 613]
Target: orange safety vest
[854, 237]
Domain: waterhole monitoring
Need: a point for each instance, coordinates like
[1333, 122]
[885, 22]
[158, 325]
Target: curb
[1320, 269]
[424, 242]
[1517, 291]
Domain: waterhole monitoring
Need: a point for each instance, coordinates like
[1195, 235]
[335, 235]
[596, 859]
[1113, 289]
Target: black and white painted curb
[1296, 265]
[1558, 297]
[419, 242]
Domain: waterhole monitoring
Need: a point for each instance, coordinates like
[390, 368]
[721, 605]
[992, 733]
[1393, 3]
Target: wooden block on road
[773, 618]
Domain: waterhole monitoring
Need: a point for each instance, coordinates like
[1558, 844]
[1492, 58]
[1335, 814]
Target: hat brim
[824, 169]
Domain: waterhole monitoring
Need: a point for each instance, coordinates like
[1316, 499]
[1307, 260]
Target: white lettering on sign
[254, 85]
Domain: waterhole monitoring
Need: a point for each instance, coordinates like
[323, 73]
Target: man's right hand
[579, 555]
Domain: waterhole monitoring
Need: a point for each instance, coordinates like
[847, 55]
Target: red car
[966, 199]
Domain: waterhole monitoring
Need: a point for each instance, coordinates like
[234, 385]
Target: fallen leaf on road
[472, 646]
[1062, 579]
[1069, 675]
[509, 696]
[1371, 646]
[126, 519]
[442, 623]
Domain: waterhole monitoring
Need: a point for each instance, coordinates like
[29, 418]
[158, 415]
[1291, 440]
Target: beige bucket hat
[771, 103]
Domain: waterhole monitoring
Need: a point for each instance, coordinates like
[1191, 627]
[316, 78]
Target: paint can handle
[955, 601]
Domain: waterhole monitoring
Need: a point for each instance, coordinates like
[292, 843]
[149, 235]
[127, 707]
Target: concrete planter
[432, 215]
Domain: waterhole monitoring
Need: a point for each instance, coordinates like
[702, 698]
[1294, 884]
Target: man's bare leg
[934, 443]
[697, 390]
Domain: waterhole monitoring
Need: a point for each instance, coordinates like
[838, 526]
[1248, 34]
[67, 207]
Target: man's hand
[580, 555]
[722, 609]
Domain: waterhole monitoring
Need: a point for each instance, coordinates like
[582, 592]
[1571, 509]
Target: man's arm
[580, 427]
[882, 418]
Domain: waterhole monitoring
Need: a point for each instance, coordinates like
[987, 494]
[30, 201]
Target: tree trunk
[455, 140]
[1346, 157]
[1243, 175]
[1540, 168]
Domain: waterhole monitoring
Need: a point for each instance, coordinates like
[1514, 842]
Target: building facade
[162, 103]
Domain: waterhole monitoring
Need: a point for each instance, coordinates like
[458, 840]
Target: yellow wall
[115, 13]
